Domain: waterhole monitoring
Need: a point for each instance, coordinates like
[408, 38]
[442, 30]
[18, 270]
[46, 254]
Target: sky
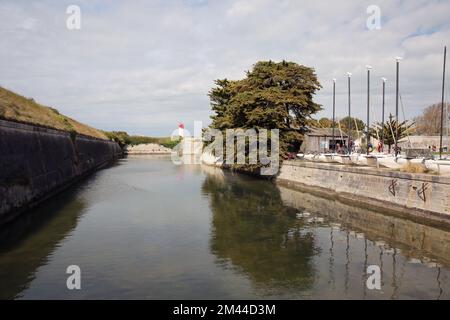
[145, 66]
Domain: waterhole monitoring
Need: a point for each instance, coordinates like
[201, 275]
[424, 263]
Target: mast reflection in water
[147, 229]
[257, 230]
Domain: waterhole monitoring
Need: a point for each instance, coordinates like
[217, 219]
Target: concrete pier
[424, 197]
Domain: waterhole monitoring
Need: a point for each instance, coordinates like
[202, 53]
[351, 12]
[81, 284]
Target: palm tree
[390, 131]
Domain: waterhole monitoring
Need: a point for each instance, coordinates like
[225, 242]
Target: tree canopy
[271, 96]
[124, 139]
[355, 124]
[429, 122]
[325, 123]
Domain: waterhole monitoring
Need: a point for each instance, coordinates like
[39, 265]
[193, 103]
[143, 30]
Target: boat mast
[334, 114]
[442, 103]
[396, 104]
[382, 115]
[349, 75]
[368, 108]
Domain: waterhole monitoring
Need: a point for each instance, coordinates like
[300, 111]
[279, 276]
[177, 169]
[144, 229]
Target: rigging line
[392, 131]
[375, 126]
[404, 118]
[378, 136]
[356, 126]
[340, 130]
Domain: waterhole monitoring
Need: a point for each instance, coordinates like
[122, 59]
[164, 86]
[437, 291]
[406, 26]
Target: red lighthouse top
[181, 126]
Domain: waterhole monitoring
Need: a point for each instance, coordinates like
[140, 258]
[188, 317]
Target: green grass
[18, 108]
[124, 139]
[135, 140]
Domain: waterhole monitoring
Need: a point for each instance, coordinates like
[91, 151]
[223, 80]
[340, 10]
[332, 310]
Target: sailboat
[441, 165]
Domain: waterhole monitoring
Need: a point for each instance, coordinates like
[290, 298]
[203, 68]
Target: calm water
[148, 229]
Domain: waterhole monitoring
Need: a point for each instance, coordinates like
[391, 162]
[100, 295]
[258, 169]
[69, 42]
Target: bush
[171, 144]
[121, 137]
[414, 168]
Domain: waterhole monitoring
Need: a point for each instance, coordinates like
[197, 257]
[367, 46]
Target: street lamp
[368, 108]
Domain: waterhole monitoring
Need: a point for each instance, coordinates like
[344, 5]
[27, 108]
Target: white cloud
[142, 66]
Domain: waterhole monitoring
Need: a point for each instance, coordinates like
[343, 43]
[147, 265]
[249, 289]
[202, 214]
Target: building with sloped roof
[321, 140]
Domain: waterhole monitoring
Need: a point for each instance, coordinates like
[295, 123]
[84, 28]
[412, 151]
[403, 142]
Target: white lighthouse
[181, 130]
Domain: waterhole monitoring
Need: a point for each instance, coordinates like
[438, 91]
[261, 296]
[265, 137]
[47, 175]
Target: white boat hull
[389, 162]
[358, 159]
[337, 158]
[440, 166]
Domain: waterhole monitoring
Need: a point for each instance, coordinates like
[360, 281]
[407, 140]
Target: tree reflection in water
[253, 232]
[256, 232]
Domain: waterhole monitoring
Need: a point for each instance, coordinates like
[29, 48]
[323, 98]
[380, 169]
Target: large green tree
[357, 126]
[272, 96]
[324, 123]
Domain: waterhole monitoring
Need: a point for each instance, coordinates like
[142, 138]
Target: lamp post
[368, 108]
[334, 114]
[397, 59]
[382, 114]
[349, 75]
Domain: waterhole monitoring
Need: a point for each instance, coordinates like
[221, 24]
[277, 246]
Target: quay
[422, 197]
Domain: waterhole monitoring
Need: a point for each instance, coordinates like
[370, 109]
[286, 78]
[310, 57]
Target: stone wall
[37, 162]
[414, 239]
[420, 196]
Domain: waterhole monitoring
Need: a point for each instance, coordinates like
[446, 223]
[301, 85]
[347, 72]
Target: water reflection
[253, 232]
[28, 242]
[295, 244]
[149, 229]
[418, 241]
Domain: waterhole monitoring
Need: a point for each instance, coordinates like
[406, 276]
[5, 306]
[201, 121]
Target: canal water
[148, 229]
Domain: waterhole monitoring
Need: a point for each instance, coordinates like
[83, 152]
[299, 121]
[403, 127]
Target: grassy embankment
[15, 107]
[123, 139]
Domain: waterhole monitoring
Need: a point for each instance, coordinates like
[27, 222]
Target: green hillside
[18, 108]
